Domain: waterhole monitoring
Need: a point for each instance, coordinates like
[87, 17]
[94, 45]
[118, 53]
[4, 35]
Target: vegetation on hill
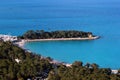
[41, 34]
[79, 72]
[33, 66]
[30, 64]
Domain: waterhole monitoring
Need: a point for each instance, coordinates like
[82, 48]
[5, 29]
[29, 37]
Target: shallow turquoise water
[100, 17]
[93, 51]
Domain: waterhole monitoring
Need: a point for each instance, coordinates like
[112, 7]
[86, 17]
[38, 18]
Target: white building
[17, 60]
[8, 37]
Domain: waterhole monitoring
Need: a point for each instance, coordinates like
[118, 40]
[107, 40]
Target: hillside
[18, 64]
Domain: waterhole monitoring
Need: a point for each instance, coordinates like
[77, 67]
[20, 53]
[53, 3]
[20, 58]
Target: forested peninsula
[41, 34]
[19, 64]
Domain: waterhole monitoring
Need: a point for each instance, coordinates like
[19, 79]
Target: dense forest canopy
[33, 66]
[41, 34]
[29, 66]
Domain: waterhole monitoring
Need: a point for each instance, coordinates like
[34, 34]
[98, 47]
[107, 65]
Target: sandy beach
[61, 39]
[23, 41]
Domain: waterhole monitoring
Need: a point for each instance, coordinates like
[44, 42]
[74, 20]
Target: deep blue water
[100, 17]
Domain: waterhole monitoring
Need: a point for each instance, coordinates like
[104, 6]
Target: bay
[100, 17]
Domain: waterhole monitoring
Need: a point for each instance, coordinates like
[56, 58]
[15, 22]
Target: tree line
[32, 66]
[78, 71]
[41, 34]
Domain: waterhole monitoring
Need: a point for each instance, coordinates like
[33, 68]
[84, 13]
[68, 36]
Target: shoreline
[23, 41]
[21, 45]
[61, 39]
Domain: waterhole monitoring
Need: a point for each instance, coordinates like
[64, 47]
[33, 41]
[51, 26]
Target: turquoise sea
[100, 17]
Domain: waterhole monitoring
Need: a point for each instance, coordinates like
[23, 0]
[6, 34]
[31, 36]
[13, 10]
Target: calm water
[100, 17]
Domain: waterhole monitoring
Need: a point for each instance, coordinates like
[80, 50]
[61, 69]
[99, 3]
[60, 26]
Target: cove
[92, 51]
